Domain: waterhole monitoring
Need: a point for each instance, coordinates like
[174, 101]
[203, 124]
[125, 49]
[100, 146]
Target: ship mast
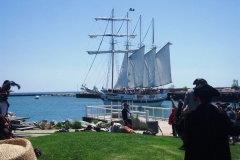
[113, 35]
[153, 33]
[140, 31]
[112, 50]
[127, 47]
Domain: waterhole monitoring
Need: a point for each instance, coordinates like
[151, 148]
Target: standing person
[171, 121]
[126, 115]
[232, 116]
[177, 115]
[238, 121]
[207, 128]
[190, 103]
[4, 93]
[190, 100]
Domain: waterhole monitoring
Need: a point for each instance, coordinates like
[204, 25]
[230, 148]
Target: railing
[114, 112]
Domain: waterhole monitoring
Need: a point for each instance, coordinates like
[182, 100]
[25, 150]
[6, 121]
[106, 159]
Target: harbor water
[61, 108]
[58, 108]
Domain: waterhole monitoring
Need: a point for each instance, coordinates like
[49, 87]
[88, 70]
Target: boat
[37, 97]
[140, 74]
[88, 93]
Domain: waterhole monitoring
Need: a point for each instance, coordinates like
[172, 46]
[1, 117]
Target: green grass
[111, 146]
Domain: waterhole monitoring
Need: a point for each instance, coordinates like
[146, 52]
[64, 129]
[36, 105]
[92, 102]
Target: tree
[235, 84]
[185, 88]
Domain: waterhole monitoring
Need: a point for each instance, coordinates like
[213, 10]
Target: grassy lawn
[111, 146]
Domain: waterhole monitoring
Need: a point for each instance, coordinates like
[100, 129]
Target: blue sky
[43, 43]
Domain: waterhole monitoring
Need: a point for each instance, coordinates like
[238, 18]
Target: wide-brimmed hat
[199, 81]
[125, 104]
[20, 149]
[206, 91]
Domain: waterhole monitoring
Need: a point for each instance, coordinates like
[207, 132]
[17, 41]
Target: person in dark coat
[126, 115]
[207, 128]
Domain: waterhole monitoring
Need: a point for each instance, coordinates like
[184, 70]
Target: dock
[15, 124]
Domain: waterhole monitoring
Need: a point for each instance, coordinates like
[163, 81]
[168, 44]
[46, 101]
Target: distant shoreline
[43, 94]
[224, 96]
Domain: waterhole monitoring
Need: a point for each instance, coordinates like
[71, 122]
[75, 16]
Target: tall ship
[141, 75]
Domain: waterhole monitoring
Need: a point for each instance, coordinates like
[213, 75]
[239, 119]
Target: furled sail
[135, 68]
[163, 66]
[110, 51]
[149, 68]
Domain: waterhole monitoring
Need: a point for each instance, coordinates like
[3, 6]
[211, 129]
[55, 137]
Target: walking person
[126, 115]
[207, 128]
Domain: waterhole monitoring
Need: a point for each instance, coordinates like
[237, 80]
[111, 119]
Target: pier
[114, 112]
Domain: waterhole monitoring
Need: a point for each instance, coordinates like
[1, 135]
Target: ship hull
[82, 95]
[116, 99]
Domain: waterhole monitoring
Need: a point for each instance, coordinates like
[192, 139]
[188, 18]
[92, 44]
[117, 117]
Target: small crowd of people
[137, 91]
[204, 128]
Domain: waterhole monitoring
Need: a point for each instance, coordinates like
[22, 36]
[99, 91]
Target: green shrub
[106, 125]
[68, 125]
[76, 124]
[135, 119]
[95, 121]
[142, 127]
[185, 88]
[58, 125]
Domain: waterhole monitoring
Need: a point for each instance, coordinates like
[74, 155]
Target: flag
[131, 9]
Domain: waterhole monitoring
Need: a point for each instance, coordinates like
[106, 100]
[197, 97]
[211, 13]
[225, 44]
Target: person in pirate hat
[190, 101]
[4, 93]
[207, 128]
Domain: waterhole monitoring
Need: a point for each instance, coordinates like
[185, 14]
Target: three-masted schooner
[139, 73]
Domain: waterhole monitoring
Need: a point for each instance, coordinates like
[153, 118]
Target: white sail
[149, 68]
[163, 66]
[122, 81]
[135, 68]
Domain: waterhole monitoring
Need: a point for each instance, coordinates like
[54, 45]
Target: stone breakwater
[52, 94]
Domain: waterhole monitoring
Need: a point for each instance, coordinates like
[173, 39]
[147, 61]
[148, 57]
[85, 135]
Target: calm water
[50, 107]
[55, 108]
